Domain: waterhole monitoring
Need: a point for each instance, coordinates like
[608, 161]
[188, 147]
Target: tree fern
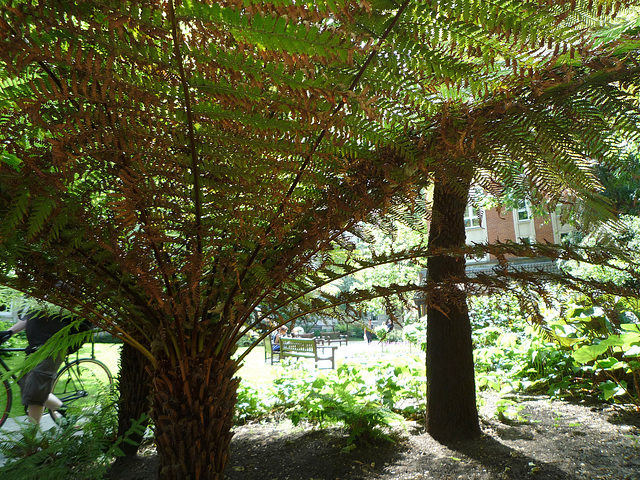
[185, 167]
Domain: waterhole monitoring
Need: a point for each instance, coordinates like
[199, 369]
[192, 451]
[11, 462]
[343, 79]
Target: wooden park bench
[307, 348]
[269, 355]
[333, 337]
[304, 335]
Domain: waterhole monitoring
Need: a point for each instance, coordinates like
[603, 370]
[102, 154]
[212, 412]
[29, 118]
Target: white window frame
[524, 211]
[472, 218]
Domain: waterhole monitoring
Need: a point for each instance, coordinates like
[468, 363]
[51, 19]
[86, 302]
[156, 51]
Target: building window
[472, 218]
[524, 211]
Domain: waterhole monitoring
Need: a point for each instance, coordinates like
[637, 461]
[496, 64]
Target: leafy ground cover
[524, 436]
[550, 440]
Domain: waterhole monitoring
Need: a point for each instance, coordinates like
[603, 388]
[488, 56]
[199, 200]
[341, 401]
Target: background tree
[622, 184]
[531, 118]
[388, 237]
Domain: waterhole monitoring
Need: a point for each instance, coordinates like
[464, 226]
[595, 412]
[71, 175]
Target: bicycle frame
[78, 393]
[4, 364]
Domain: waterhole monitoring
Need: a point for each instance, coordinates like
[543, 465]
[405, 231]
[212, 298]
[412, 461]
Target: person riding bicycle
[36, 385]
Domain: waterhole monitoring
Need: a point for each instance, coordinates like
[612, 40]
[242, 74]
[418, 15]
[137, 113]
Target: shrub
[583, 351]
[381, 332]
[60, 452]
[512, 355]
[353, 330]
[366, 400]
[606, 355]
[416, 334]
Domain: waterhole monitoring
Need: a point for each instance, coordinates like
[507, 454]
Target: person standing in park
[368, 332]
[36, 384]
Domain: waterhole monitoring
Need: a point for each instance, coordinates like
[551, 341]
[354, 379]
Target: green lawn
[254, 370]
[107, 353]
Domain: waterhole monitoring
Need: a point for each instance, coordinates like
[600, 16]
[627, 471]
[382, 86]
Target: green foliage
[416, 333]
[382, 333]
[622, 183]
[517, 359]
[508, 410]
[580, 352]
[367, 401]
[622, 240]
[366, 416]
[262, 138]
[400, 231]
[7, 295]
[509, 354]
[253, 403]
[607, 354]
[353, 330]
[72, 450]
[16, 341]
[179, 168]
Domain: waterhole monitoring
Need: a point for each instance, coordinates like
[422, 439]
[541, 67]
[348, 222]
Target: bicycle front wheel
[6, 400]
[83, 385]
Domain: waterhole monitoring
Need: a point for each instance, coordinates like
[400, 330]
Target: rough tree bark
[193, 414]
[134, 382]
[451, 399]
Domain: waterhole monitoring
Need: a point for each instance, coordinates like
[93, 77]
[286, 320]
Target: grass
[107, 353]
[254, 370]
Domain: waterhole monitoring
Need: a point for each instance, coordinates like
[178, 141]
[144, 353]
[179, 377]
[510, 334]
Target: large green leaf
[589, 353]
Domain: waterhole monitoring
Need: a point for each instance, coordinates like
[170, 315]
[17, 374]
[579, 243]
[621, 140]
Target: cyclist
[36, 385]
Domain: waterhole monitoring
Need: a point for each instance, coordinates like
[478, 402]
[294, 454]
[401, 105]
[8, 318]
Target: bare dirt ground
[547, 441]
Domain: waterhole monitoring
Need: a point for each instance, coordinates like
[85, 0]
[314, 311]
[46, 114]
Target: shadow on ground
[549, 440]
[499, 461]
[269, 452]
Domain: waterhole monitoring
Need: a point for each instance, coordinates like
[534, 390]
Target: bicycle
[79, 384]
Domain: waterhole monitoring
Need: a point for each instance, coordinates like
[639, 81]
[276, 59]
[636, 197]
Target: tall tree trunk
[134, 381]
[193, 415]
[451, 399]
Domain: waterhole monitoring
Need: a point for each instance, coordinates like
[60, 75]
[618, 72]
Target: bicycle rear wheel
[83, 385]
[6, 401]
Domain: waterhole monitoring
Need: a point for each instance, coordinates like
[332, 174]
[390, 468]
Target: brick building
[516, 225]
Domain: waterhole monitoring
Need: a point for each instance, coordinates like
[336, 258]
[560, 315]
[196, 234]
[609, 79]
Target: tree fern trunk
[193, 418]
[451, 401]
[134, 386]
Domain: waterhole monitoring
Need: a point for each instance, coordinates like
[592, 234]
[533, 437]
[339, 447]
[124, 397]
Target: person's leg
[53, 403]
[35, 412]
